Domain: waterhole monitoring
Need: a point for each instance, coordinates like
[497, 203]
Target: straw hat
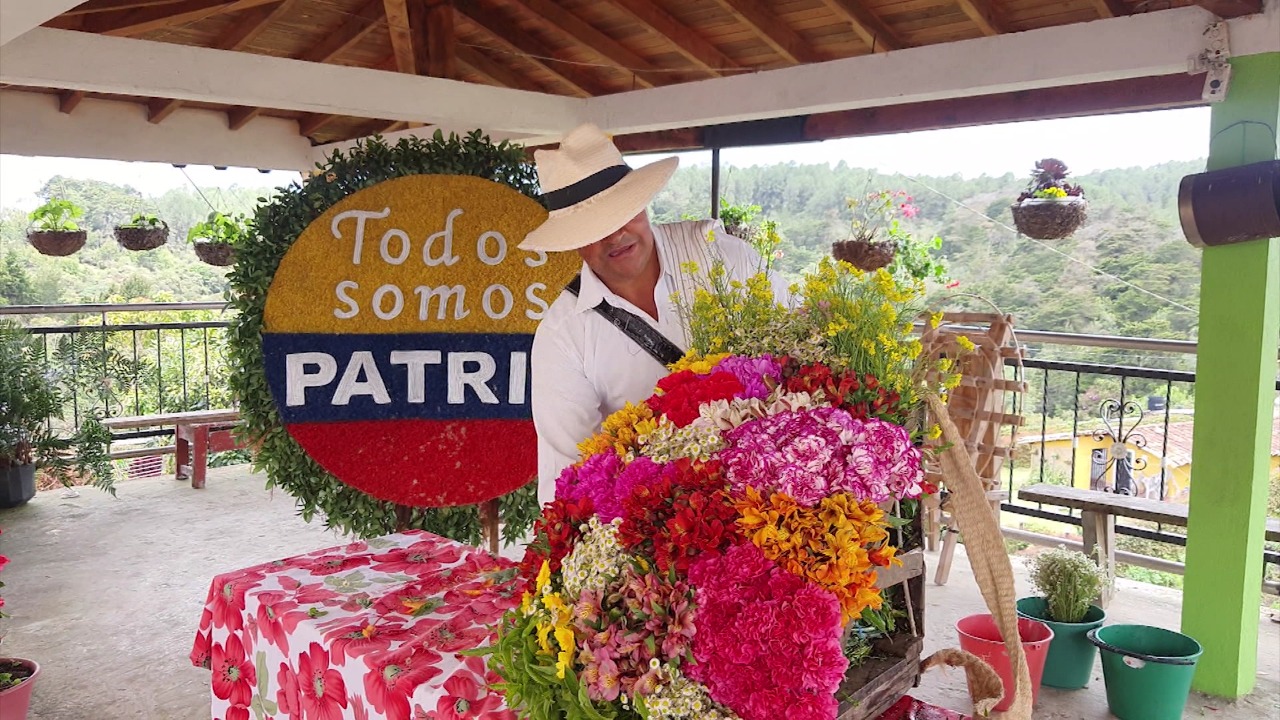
[590, 191]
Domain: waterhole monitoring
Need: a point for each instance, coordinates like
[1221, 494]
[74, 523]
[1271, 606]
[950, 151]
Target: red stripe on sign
[425, 463]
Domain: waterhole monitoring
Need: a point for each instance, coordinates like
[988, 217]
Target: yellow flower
[544, 631]
[564, 636]
[690, 267]
[935, 432]
[541, 582]
[965, 343]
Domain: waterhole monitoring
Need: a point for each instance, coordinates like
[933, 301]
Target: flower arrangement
[1050, 208]
[707, 552]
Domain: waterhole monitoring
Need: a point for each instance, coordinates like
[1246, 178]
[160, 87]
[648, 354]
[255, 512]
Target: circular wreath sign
[276, 226]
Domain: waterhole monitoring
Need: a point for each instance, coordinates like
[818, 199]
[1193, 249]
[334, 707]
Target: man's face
[624, 256]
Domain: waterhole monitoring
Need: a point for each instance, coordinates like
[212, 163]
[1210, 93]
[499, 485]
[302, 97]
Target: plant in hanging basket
[1050, 208]
[214, 238]
[879, 239]
[53, 228]
[142, 232]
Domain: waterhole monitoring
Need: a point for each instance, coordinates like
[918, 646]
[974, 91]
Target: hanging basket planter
[142, 238]
[866, 255]
[57, 243]
[217, 254]
[1050, 219]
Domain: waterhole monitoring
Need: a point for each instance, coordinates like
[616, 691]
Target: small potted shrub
[17, 676]
[29, 399]
[214, 238]
[142, 232]
[53, 229]
[1068, 582]
[1050, 208]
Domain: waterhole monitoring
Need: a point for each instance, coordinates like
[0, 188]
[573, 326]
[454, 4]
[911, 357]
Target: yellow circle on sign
[419, 254]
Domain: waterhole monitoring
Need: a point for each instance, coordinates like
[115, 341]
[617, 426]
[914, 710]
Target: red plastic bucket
[980, 636]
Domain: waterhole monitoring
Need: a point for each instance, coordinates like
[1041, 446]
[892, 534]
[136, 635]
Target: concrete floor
[106, 595]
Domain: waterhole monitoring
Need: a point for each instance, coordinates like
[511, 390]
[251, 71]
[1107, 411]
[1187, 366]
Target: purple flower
[751, 372]
[607, 481]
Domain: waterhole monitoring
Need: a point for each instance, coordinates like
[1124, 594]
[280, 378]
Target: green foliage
[220, 228]
[741, 222]
[30, 398]
[15, 281]
[276, 224]
[56, 216]
[143, 220]
[1069, 581]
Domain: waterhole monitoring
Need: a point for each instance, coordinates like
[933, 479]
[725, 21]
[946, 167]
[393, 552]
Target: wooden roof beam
[127, 23]
[510, 34]
[494, 70]
[770, 28]
[352, 31]
[682, 39]
[401, 27]
[96, 6]
[440, 41]
[1111, 8]
[238, 38]
[68, 100]
[866, 25]
[1228, 9]
[583, 33]
[984, 14]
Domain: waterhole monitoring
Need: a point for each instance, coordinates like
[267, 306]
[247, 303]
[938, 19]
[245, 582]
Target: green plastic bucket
[1069, 664]
[1147, 670]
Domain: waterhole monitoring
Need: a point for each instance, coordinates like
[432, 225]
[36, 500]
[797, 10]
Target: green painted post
[1235, 392]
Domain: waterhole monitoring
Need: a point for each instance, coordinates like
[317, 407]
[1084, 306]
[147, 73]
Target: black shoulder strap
[644, 334]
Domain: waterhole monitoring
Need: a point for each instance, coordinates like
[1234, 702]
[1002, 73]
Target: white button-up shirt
[584, 368]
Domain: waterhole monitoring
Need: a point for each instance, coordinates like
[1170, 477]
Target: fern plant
[56, 216]
[1069, 581]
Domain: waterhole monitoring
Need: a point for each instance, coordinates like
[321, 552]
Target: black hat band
[585, 188]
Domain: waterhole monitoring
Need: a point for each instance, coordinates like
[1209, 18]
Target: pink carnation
[812, 454]
[607, 481]
[754, 373]
[766, 643]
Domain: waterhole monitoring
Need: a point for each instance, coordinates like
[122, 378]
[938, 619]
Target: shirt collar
[593, 289]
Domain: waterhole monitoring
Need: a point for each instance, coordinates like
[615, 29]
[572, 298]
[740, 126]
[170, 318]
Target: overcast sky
[1085, 144]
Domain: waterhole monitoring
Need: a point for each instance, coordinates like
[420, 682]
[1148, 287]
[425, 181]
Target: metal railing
[110, 365]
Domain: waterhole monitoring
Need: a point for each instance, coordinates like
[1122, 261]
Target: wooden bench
[1098, 512]
[196, 434]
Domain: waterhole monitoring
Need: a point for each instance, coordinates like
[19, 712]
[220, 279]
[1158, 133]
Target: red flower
[353, 639]
[289, 697]
[683, 392]
[678, 519]
[322, 693]
[330, 564]
[554, 535]
[228, 601]
[236, 712]
[277, 617]
[451, 635]
[393, 676]
[417, 559]
[467, 698]
[201, 651]
[233, 675]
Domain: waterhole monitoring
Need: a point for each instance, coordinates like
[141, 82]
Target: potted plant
[17, 676]
[879, 239]
[1050, 208]
[53, 229]
[214, 238]
[142, 232]
[1068, 582]
[29, 398]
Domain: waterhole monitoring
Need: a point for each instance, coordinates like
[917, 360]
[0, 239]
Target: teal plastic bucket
[1069, 664]
[1147, 670]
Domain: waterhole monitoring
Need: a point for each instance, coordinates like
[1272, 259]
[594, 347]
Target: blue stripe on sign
[328, 378]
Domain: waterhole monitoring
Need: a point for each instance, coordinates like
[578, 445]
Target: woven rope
[986, 550]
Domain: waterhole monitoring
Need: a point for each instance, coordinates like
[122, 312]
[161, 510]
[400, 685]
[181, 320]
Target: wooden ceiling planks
[571, 47]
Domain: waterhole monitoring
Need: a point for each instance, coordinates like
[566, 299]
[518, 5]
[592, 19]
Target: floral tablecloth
[362, 631]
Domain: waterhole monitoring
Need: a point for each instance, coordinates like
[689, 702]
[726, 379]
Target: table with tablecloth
[367, 630]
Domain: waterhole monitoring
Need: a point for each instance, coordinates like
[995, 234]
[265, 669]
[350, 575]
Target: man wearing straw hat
[607, 338]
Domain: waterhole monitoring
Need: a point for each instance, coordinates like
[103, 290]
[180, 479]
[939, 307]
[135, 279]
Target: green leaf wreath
[275, 226]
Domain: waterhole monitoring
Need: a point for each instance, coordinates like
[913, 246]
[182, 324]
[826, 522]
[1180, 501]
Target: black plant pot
[17, 485]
